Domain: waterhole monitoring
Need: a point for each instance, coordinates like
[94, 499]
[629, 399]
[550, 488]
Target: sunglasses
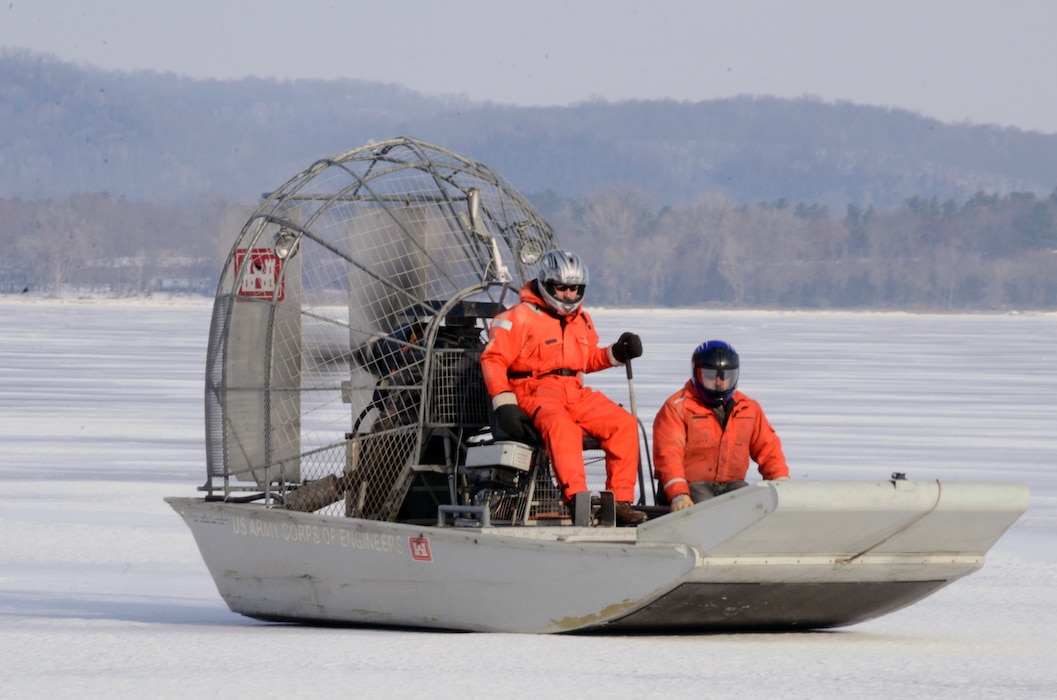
[578, 288]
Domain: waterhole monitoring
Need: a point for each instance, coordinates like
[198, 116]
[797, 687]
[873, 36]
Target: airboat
[353, 477]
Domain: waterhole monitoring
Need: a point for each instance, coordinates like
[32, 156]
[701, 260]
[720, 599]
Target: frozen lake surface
[103, 593]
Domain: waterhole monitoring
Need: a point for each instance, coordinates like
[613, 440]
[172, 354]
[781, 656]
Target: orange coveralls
[525, 344]
[690, 445]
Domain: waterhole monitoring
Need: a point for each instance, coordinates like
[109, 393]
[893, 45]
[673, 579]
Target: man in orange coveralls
[705, 433]
[533, 369]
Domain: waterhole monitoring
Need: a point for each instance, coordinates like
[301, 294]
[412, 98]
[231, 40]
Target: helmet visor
[566, 293]
[718, 380]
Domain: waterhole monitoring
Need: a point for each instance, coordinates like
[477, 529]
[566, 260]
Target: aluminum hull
[777, 555]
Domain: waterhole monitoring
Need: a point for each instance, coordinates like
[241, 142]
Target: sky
[958, 61]
[103, 593]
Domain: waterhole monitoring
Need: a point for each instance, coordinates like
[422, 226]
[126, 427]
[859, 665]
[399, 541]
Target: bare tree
[64, 240]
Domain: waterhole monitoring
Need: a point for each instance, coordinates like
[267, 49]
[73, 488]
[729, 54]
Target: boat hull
[779, 555]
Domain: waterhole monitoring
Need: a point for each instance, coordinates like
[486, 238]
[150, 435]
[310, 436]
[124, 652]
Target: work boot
[626, 515]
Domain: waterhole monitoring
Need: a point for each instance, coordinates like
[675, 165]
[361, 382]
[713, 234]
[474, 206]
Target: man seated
[533, 366]
[706, 433]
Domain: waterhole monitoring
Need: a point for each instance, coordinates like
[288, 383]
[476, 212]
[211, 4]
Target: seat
[537, 498]
[541, 500]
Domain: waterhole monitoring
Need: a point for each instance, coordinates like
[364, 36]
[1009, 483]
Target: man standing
[533, 367]
[706, 433]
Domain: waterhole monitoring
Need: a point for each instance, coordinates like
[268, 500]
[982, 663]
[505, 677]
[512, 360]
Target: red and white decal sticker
[420, 549]
[262, 277]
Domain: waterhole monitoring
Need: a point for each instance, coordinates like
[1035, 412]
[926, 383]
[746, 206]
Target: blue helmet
[716, 366]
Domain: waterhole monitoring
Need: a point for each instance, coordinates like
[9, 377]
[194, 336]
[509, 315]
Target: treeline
[989, 253]
[94, 243]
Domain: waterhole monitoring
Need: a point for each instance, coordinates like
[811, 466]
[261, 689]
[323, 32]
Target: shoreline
[87, 300]
[197, 300]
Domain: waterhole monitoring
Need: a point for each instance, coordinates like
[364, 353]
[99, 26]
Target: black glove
[515, 424]
[627, 347]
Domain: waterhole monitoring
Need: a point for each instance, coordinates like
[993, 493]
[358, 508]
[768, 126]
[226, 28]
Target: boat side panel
[718, 607]
[276, 564]
[845, 520]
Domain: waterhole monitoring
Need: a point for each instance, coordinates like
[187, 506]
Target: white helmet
[562, 268]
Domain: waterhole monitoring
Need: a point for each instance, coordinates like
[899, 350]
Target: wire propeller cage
[349, 319]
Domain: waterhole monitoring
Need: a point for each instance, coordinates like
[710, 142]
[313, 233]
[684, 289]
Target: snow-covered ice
[103, 593]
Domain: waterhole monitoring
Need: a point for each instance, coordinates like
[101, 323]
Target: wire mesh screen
[458, 395]
[350, 317]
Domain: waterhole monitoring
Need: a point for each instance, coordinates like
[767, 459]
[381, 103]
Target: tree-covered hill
[159, 137]
[118, 181]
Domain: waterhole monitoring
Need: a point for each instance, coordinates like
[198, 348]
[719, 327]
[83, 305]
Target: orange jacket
[526, 344]
[689, 444]
[529, 340]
